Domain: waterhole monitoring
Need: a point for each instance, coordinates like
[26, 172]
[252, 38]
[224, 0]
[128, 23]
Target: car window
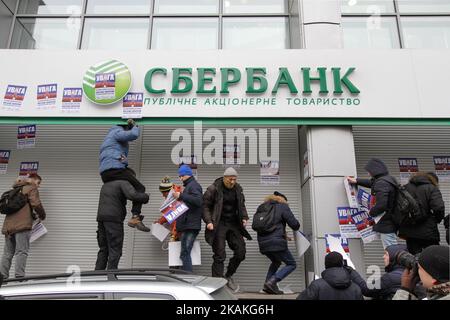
[142, 296]
[58, 296]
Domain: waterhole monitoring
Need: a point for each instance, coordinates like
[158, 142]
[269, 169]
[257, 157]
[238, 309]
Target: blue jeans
[276, 258]
[388, 239]
[187, 242]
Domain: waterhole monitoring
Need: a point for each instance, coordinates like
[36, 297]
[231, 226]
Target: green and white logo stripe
[122, 80]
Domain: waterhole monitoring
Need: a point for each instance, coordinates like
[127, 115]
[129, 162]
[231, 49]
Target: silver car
[124, 284]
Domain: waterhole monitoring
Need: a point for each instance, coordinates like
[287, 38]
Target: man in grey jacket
[110, 216]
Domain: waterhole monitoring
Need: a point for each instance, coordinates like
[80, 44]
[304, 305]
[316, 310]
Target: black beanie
[278, 194]
[334, 259]
[435, 261]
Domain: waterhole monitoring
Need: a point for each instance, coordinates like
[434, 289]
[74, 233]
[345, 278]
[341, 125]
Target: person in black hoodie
[390, 282]
[383, 188]
[424, 187]
[189, 224]
[335, 283]
[274, 244]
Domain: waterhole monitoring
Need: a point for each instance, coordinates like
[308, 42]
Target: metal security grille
[390, 143]
[68, 157]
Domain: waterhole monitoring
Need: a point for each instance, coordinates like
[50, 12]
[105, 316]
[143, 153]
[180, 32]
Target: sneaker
[135, 222]
[271, 287]
[232, 285]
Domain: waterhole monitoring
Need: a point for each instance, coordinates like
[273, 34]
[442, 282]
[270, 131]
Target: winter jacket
[335, 284]
[430, 199]
[382, 187]
[22, 220]
[437, 292]
[113, 200]
[114, 149]
[446, 227]
[212, 209]
[276, 240]
[389, 283]
[192, 196]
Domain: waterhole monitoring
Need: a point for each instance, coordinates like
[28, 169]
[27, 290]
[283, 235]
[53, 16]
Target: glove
[131, 123]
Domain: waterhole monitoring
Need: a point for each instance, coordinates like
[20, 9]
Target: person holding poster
[272, 241]
[114, 165]
[17, 226]
[189, 224]
[164, 187]
[226, 217]
[424, 232]
[383, 188]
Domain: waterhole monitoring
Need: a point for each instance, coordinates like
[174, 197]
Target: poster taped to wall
[364, 223]
[105, 86]
[346, 226]
[442, 167]
[26, 136]
[351, 190]
[335, 242]
[71, 100]
[46, 96]
[407, 167]
[269, 172]
[132, 105]
[27, 168]
[14, 97]
[4, 160]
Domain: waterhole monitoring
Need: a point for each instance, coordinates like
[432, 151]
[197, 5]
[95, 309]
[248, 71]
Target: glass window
[255, 6]
[5, 25]
[186, 7]
[426, 6]
[50, 6]
[46, 33]
[118, 6]
[11, 4]
[426, 32]
[367, 6]
[255, 33]
[370, 32]
[115, 33]
[185, 33]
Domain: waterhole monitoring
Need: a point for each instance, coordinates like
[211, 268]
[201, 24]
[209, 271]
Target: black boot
[271, 286]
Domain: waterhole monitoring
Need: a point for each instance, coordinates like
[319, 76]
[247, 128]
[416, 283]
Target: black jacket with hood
[383, 189]
[276, 240]
[335, 284]
[424, 188]
[389, 283]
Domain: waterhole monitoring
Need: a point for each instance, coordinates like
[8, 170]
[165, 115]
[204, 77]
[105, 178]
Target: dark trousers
[228, 232]
[110, 241]
[416, 246]
[128, 175]
[277, 258]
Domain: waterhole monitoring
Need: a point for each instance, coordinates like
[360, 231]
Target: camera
[407, 260]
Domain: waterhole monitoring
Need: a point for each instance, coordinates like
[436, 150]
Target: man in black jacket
[189, 224]
[110, 216]
[383, 188]
[424, 187]
[335, 283]
[390, 282]
[274, 244]
[225, 215]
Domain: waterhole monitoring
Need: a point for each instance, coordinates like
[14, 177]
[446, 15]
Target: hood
[392, 251]
[20, 183]
[421, 178]
[338, 278]
[272, 197]
[376, 168]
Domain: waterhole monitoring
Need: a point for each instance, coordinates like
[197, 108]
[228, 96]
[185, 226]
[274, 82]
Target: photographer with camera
[390, 281]
[431, 268]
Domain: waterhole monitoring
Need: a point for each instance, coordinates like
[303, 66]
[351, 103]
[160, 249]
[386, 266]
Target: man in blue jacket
[114, 165]
[274, 244]
[189, 224]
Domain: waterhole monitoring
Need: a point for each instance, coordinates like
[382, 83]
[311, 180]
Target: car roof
[180, 285]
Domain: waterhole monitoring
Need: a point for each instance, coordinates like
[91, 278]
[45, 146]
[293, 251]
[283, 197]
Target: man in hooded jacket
[335, 284]
[425, 233]
[383, 188]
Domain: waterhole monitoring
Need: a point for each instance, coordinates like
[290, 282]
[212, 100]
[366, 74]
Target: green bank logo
[107, 82]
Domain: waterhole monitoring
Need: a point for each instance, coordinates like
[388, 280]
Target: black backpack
[264, 219]
[12, 201]
[407, 208]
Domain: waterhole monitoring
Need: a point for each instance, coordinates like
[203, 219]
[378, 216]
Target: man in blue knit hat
[189, 224]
